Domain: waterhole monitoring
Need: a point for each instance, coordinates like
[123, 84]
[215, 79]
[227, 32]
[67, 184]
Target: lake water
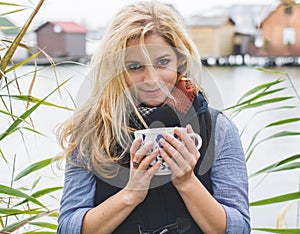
[224, 85]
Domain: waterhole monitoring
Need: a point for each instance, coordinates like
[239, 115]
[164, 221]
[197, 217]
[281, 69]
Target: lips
[151, 97]
[151, 92]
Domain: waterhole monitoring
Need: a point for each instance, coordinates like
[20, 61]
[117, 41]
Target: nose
[150, 74]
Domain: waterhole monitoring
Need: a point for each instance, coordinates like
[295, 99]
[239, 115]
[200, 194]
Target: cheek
[129, 80]
[170, 77]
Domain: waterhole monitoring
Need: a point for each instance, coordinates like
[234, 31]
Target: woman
[147, 74]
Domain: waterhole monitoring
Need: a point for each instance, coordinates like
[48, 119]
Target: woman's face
[153, 74]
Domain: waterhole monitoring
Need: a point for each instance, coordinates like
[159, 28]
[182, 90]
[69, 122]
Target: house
[8, 32]
[213, 35]
[242, 41]
[62, 39]
[278, 34]
[7, 28]
[246, 18]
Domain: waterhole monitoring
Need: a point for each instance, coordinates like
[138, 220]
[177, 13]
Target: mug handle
[198, 138]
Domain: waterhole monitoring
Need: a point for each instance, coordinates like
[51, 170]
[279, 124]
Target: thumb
[189, 128]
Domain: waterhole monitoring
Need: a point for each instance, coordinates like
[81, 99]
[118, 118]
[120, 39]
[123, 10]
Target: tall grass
[278, 95]
[22, 208]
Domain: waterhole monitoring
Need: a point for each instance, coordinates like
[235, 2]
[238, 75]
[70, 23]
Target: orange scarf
[183, 95]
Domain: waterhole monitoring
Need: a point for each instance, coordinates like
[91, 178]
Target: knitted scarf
[176, 110]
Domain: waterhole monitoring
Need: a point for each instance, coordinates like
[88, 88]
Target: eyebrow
[164, 56]
[131, 61]
[158, 58]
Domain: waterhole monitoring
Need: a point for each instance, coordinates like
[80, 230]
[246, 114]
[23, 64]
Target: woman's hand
[140, 173]
[181, 156]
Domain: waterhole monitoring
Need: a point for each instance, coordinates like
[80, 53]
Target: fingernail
[149, 143]
[188, 126]
[167, 136]
[162, 141]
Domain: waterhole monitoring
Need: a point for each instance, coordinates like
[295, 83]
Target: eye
[163, 62]
[134, 66]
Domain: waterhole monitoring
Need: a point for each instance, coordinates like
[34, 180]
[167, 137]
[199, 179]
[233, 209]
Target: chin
[153, 102]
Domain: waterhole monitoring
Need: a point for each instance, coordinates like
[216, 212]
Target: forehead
[155, 46]
[150, 39]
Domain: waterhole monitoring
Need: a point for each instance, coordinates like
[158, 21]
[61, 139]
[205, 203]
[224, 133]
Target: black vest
[163, 205]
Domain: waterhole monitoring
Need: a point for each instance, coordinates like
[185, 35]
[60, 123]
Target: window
[288, 9]
[258, 40]
[289, 36]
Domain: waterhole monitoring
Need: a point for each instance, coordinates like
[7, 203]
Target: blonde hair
[101, 125]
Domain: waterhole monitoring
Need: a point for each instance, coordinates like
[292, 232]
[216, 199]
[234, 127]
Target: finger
[174, 144]
[168, 160]
[133, 149]
[142, 151]
[140, 154]
[188, 141]
[172, 152]
[193, 154]
[145, 162]
[189, 128]
[137, 152]
[176, 168]
[152, 170]
[135, 145]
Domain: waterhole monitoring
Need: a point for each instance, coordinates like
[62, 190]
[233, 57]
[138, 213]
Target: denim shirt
[228, 175]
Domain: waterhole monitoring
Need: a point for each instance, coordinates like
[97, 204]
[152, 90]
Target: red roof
[69, 27]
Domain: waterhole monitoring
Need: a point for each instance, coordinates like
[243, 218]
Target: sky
[97, 13]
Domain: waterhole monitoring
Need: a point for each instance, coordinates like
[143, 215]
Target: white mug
[154, 135]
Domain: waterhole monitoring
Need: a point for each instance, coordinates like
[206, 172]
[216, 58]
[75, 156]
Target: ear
[181, 61]
[188, 81]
